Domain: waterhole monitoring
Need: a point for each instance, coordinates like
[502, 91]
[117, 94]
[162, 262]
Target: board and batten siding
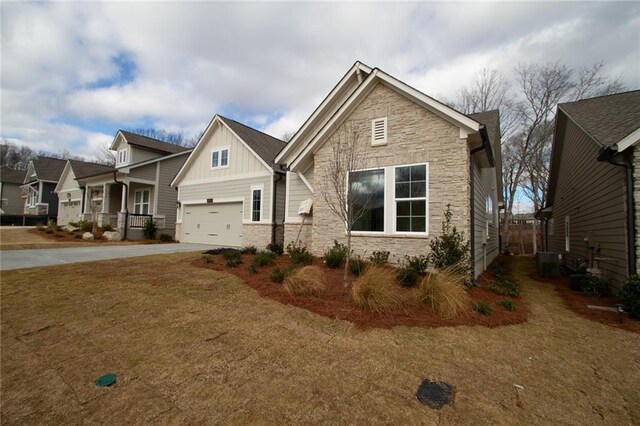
[230, 189]
[241, 160]
[592, 194]
[298, 191]
[70, 185]
[486, 244]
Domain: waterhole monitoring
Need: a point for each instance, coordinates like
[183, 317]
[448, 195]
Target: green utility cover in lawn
[106, 380]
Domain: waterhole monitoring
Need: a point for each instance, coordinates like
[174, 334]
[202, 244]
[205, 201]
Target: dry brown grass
[18, 238]
[308, 281]
[376, 290]
[200, 347]
[444, 291]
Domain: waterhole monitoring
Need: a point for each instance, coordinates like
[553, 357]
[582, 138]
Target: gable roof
[8, 175]
[47, 168]
[84, 168]
[150, 143]
[264, 147]
[607, 119]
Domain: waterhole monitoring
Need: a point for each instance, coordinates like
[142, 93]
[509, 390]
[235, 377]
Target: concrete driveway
[17, 259]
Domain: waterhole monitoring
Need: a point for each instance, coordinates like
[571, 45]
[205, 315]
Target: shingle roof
[151, 143]
[491, 120]
[12, 176]
[48, 168]
[83, 168]
[267, 147]
[608, 119]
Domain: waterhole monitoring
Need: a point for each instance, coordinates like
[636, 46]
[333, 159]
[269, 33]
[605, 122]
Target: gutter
[608, 155]
[126, 205]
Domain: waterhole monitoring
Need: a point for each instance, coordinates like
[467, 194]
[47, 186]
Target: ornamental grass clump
[375, 290]
[308, 281]
[444, 291]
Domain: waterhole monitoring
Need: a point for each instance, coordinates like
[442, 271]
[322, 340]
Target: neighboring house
[592, 210]
[10, 193]
[39, 184]
[137, 190]
[424, 155]
[230, 192]
[70, 193]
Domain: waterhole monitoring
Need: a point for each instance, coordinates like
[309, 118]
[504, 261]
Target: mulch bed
[577, 302]
[337, 302]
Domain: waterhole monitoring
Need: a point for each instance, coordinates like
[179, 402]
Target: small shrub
[595, 287]
[482, 308]
[505, 287]
[165, 238]
[278, 275]
[149, 230]
[299, 254]
[77, 236]
[275, 248]
[232, 258]
[418, 263]
[249, 250]
[206, 259]
[500, 270]
[335, 256]
[308, 281]
[69, 233]
[445, 291]
[375, 290]
[73, 224]
[407, 277]
[508, 304]
[264, 258]
[48, 231]
[105, 228]
[85, 226]
[379, 257]
[221, 250]
[450, 247]
[357, 266]
[252, 269]
[630, 296]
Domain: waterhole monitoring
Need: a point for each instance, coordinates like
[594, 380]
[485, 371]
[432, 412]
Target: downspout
[126, 205]
[274, 224]
[485, 146]
[608, 155]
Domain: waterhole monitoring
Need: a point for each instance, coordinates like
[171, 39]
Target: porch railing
[138, 220]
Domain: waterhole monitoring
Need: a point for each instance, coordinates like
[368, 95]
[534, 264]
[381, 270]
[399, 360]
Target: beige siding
[241, 160]
[281, 191]
[147, 172]
[592, 195]
[298, 192]
[228, 189]
[12, 203]
[138, 155]
[486, 243]
[415, 135]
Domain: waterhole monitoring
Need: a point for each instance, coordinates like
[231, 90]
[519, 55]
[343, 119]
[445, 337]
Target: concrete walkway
[17, 259]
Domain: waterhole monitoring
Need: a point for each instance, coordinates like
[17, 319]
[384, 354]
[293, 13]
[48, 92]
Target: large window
[141, 201]
[367, 199]
[411, 198]
[220, 158]
[256, 204]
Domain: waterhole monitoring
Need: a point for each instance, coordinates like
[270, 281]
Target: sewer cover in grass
[434, 394]
[106, 380]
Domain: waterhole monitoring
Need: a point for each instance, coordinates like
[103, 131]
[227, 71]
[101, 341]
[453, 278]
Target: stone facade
[415, 135]
[178, 233]
[257, 235]
[291, 233]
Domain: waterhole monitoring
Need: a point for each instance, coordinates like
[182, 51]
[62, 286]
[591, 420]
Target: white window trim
[567, 234]
[33, 197]
[550, 227]
[391, 206]
[123, 156]
[142, 203]
[261, 189]
[374, 141]
[219, 151]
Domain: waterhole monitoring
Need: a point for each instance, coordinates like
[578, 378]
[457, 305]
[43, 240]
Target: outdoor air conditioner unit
[548, 264]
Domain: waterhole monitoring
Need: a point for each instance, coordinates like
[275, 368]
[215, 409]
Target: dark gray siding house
[591, 209]
[40, 182]
[10, 193]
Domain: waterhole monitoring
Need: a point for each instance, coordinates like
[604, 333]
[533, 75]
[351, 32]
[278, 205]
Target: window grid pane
[255, 209]
[224, 157]
[411, 191]
[214, 159]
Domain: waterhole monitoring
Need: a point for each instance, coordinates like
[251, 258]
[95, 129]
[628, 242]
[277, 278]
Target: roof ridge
[251, 128]
[600, 97]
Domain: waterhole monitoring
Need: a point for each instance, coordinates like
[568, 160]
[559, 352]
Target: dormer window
[220, 158]
[379, 131]
[123, 156]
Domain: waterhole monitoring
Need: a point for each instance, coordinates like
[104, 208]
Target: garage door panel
[69, 212]
[219, 224]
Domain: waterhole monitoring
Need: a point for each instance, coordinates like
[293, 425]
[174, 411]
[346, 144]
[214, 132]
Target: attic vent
[379, 131]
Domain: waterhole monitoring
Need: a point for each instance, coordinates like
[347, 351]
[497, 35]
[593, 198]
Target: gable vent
[379, 131]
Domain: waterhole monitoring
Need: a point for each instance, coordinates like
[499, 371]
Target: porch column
[87, 200]
[105, 197]
[123, 204]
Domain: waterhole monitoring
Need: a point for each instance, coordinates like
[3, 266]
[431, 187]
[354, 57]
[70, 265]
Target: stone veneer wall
[636, 201]
[414, 135]
[178, 234]
[257, 235]
[291, 232]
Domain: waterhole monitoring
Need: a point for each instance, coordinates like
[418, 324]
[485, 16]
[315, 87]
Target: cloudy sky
[73, 73]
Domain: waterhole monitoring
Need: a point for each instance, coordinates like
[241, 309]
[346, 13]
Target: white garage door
[219, 224]
[69, 212]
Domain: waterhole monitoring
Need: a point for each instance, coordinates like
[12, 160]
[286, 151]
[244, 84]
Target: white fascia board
[225, 178]
[195, 151]
[63, 177]
[153, 160]
[289, 147]
[630, 140]
[115, 141]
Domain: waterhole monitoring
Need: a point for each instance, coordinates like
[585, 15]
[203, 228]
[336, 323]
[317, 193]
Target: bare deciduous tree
[15, 156]
[106, 156]
[349, 200]
[176, 138]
